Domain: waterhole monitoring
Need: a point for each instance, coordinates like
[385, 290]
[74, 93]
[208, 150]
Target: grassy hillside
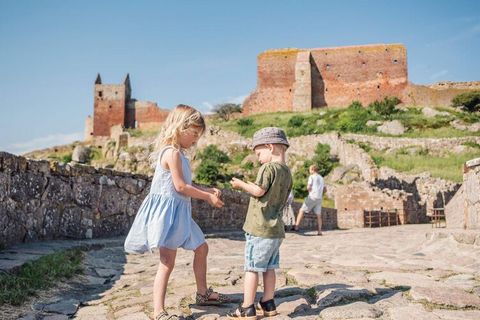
[354, 120]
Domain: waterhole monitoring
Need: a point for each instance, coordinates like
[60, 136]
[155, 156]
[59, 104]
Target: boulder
[81, 154]
[394, 127]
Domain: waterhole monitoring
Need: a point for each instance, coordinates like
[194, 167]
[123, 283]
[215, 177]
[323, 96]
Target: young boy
[264, 228]
[313, 202]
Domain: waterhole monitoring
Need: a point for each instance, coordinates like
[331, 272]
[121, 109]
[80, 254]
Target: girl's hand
[236, 183]
[215, 201]
[216, 192]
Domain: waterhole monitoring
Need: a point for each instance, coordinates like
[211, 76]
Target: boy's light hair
[179, 120]
[314, 168]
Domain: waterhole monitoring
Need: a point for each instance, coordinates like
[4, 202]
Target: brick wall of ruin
[363, 73]
[337, 77]
[433, 95]
[304, 79]
[275, 78]
[149, 115]
[41, 200]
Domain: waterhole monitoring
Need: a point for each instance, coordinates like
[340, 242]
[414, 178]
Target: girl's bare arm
[174, 163]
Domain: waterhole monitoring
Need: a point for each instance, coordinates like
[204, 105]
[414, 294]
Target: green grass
[139, 133]
[38, 275]
[449, 167]
[353, 120]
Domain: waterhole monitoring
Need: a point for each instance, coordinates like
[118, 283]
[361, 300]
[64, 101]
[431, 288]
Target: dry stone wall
[382, 143]
[41, 200]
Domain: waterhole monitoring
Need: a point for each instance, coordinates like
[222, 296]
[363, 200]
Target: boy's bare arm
[248, 186]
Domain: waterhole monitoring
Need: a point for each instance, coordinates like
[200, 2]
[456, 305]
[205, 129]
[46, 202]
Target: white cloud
[44, 142]
[439, 74]
[208, 106]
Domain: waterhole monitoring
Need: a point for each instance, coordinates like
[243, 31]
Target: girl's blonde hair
[178, 121]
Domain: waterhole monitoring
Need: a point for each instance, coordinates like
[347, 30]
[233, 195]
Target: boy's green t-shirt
[264, 215]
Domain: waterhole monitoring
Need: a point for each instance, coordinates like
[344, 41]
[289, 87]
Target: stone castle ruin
[304, 79]
[113, 105]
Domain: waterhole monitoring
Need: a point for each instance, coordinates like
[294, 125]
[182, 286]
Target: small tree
[468, 101]
[322, 160]
[225, 110]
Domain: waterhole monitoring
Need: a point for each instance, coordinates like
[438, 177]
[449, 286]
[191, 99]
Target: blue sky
[197, 52]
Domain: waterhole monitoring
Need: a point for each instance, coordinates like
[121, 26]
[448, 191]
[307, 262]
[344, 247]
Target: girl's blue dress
[165, 217]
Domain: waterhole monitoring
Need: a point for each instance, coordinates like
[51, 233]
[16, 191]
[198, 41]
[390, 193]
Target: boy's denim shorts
[261, 254]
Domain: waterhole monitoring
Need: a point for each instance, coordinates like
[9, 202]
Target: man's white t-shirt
[315, 182]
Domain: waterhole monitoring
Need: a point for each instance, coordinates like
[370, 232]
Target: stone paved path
[386, 273]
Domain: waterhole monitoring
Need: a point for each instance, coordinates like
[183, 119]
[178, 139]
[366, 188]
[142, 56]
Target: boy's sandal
[206, 300]
[165, 316]
[241, 313]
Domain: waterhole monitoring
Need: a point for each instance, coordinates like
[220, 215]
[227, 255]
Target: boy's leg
[250, 288]
[165, 267]
[268, 284]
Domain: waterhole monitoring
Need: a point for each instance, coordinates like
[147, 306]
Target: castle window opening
[100, 94]
[364, 63]
[378, 86]
[395, 61]
[110, 107]
[327, 66]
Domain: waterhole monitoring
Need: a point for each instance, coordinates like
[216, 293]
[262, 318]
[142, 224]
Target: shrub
[354, 119]
[385, 107]
[468, 101]
[208, 173]
[225, 110]
[295, 121]
[322, 160]
[212, 153]
[211, 170]
[245, 122]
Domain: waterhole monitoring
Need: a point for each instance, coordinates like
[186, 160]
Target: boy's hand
[216, 192]
[215, 201]
[236, 183]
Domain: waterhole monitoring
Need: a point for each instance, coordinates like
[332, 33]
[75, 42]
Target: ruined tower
[110, 105]
[114, 106]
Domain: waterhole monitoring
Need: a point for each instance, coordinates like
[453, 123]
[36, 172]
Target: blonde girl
[164, 220]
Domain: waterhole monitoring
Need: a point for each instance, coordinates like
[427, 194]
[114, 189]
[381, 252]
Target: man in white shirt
[313, 202]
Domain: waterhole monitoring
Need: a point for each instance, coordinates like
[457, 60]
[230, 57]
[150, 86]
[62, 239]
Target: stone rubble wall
[41, 201]
[351, 200]
[383, 143]
[472, 194]
[463, 211]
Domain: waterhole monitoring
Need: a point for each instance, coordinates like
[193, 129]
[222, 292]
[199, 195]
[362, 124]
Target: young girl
[164, 219]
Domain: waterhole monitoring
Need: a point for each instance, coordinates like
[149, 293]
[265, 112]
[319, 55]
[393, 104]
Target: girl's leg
[268, 284]
[200, 268]
[167, 262]
[250, 288]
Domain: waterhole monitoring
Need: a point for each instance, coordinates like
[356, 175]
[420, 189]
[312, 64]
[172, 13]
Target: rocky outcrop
[464, 209]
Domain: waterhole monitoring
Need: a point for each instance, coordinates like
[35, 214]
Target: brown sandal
[205, 300]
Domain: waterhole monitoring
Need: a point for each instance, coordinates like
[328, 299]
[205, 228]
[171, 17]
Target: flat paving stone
[368, 270]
